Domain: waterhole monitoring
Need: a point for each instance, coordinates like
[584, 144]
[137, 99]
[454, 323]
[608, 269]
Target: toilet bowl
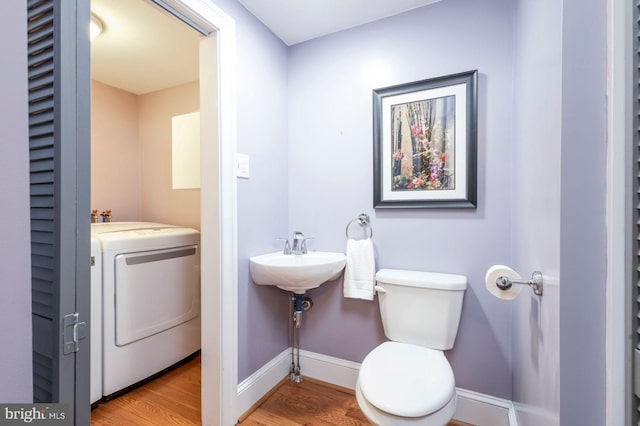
[403, 384]
[408, 380]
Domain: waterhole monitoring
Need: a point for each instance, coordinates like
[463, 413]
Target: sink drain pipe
[298, 304]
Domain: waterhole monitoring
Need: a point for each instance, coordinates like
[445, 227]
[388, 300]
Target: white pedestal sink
[296, 272]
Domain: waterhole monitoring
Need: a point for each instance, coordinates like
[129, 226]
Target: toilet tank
[420, 308]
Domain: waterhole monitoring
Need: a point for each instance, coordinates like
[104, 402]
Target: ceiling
[143, 49]
[295, 21]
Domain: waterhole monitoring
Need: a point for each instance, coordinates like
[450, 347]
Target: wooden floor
[174, 399]
[307, 403]
[171, 399]
[310, 403]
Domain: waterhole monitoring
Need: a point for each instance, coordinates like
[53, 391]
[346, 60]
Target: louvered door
[635, 300]
[59, 137]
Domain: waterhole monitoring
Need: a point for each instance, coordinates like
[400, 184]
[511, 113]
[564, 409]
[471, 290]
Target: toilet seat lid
[406, 380]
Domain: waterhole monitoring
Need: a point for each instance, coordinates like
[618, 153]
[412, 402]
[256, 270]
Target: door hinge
[74, 331]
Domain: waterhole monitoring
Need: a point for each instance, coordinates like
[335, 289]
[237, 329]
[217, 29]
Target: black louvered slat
[40, 56]
[38, 7]
[41, 92]
[41, 154]
[39, 201]
[45, 118]
[38, 249]
[42, 274]
[42, 238]
[41, 76]
[43, 262]
[41, 105]
[41, 37]
[42, 377]
[38, 132]
[39, 33]
[42, 177]
[43, 190]
[42, 226]
[42, 165]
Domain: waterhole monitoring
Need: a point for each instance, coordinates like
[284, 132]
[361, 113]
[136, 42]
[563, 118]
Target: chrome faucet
[299, 247]
[299, 244]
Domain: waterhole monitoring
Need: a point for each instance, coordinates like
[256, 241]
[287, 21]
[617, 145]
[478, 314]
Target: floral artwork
[425, 143]
[423, 138]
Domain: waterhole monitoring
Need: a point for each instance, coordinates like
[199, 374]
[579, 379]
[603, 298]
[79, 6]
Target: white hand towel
[360, 270]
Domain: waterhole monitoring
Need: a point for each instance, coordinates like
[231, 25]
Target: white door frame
[618, 69]
[219, 275]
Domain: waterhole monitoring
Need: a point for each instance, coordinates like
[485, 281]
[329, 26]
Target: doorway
[145, 106]
[217, 205]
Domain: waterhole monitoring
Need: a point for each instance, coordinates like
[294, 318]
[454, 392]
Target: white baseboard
[262, 381]
[473, 407]
[329, 369]
[484, 410]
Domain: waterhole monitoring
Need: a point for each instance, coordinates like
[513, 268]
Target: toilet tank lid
[435, 280]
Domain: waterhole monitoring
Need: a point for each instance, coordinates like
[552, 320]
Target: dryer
[96, 298]
[150, 300]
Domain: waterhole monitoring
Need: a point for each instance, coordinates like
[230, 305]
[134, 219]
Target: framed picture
[425, 143]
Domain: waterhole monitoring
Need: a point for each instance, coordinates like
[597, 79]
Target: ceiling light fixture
[95, 27]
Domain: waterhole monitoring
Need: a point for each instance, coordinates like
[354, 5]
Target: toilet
[408, 380]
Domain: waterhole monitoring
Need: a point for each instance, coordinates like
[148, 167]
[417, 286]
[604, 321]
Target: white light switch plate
[242, 166]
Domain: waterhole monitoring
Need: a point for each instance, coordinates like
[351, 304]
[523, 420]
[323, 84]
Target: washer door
[154, 291]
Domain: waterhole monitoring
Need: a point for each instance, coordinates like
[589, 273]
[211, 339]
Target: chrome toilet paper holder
[504, 283]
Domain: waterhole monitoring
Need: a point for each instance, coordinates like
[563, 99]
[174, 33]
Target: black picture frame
[425, 139]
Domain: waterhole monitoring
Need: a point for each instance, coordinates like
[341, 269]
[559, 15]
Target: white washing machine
[150, 301]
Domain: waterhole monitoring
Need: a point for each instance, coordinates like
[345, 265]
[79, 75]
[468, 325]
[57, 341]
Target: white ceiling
[295, 21]
[144, 49]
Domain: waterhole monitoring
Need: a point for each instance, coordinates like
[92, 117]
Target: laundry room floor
[173, 398]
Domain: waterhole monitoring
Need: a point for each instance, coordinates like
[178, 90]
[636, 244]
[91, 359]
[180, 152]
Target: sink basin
[296, 272]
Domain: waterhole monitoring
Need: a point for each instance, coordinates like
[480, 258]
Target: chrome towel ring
[363, 221]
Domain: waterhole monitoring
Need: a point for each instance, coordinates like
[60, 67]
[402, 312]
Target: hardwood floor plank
[261, 417]
[119, 413]
[188, 409]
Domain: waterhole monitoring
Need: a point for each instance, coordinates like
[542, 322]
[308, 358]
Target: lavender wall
[15, 303]
[583, 253]
[535, 207]
[330, 174]
[262, 199]
[305, 119]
